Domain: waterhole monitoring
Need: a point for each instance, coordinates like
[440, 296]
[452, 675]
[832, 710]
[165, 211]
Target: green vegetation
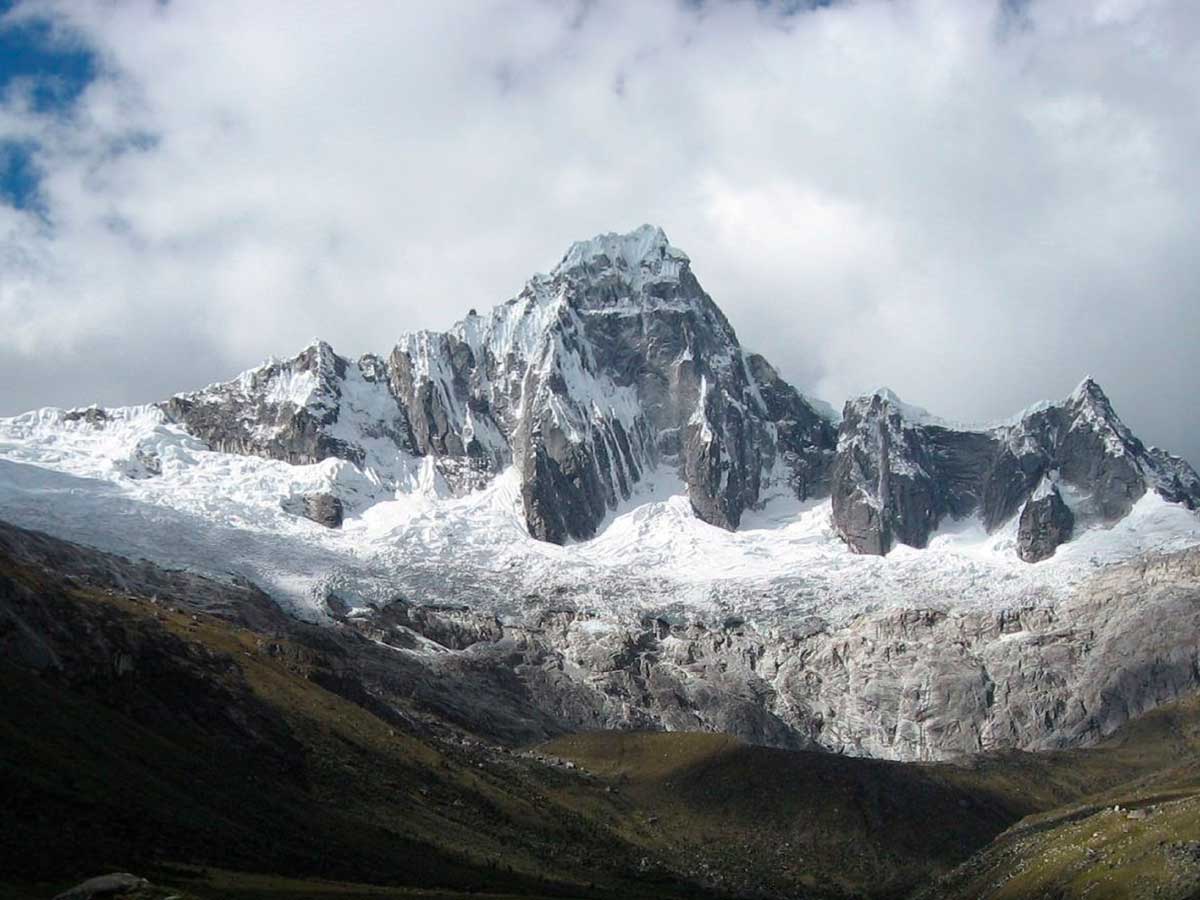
[218, 748]
[758, 817]
[882, 828]
[1138, 835]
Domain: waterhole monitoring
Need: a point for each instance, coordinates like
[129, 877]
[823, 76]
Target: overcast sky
[975, 203]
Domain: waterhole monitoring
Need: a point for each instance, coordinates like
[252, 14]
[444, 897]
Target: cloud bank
[975, 203]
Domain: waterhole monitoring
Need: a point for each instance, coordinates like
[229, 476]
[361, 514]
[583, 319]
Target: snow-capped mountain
[597, 477]
[608, 406]
[615, 363]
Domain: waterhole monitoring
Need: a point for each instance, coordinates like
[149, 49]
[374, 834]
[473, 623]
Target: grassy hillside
[884, 828]
[166, 738]
[757, 817]
[1136, 836]
[236, 757]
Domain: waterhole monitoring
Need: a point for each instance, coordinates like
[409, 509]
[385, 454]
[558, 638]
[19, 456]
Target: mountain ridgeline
[618, 363]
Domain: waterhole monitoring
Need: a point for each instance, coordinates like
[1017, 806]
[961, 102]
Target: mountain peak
[1090, 398]
[915, 415]
[645, 251]
[1090, 401]
[1090, 389]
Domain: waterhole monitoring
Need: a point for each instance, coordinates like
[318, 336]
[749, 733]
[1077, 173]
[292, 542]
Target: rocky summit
[615, 363]
[899, 473]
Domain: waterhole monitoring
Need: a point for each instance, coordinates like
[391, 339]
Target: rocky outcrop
[105, 886]
[283, 410]
[1046, 522]
[1174, 478]
[322, 508]
[899, 472]
[888, 481]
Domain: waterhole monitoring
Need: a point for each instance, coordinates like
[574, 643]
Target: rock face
[908, 684]
[1046, 522]
[893, 481]
[284, 410]
[594, 375]
[895, 684]
[899, 472]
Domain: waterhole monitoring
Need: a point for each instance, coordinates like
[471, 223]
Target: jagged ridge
[618, 362]
[900, 473]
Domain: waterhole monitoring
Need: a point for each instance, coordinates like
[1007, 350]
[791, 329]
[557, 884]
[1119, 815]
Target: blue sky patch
[19, 178]
[57, 69]
[52, 71]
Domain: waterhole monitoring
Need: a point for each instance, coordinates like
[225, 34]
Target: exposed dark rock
[93, 415]
[807, 441]
[454, 628]
[258, 414]
[899, 472]
[1174, 478]
[145, 464]
[324, 509]
[336, 606]
[1046, 522]
[894, 480]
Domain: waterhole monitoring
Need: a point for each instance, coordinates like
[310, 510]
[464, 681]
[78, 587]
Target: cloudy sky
[974, 202]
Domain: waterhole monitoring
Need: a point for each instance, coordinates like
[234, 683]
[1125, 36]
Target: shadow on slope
[136, 735]
[883, 828]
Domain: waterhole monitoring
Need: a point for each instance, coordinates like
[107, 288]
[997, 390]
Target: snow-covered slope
[129, 481]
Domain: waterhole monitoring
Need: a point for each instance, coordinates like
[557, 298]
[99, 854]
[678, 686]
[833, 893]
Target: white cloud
[975, 207]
